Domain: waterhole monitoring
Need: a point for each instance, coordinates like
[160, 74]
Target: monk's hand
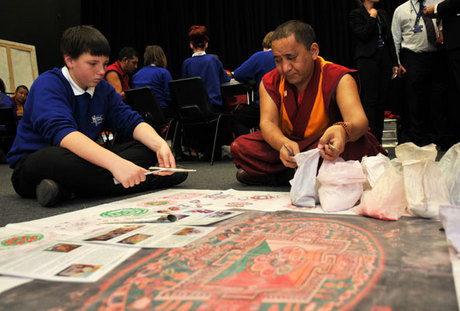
[332, 143]
[287, 152]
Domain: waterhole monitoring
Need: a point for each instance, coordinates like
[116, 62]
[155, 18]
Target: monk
[305, 102]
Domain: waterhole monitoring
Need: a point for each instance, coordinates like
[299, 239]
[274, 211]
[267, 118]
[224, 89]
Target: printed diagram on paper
[190, 206]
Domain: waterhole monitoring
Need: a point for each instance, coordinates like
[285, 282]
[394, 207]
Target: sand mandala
[263, 263]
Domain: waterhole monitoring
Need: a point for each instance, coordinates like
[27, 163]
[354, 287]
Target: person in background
[155, 75]
[376, 60]
[205, 66]
[306, 102]
[118, 73]
[5, 102]
[449, 12]
[19, 99]
[55, 154]
[253, 69]
[422, 61]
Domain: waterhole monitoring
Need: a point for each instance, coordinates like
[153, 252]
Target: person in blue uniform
[203, 65]
[5, 100]
[155, 75]
[253, 69]
[55, 153]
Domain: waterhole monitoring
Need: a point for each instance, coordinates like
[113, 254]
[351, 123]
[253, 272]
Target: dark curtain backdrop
[236, 27]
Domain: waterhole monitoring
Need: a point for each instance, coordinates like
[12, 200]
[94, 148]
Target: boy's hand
[128, 173]
[165, 159]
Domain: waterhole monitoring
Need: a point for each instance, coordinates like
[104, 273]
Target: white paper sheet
[143, 235]
[66, 262]
[191, 206]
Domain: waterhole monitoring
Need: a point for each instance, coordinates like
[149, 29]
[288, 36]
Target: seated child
[55, 154]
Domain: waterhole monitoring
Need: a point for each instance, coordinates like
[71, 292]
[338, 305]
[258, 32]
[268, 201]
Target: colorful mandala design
[183, 196]
[155, 203]
[22, 239]
[264, 263]
[124, 212]
[262, 197]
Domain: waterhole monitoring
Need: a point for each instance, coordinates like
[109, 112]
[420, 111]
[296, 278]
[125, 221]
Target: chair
[143, 101]
[191, 101]
[8, 126]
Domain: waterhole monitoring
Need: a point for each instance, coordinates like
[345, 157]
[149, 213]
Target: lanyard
[419, 13]
[379, 26]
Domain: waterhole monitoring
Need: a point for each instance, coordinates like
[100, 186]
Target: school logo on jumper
[97, 120]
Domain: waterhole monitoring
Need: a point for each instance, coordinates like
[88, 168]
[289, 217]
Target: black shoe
[243, 177]
[49, 193]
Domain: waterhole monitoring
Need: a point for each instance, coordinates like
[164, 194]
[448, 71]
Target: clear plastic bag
[340, 184]
[450, 169]
[424, 184]
[374, 166]
[303, 185]
[410, 151]
[386, 200]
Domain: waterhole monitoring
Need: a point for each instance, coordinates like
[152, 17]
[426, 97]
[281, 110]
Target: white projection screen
[18, 64]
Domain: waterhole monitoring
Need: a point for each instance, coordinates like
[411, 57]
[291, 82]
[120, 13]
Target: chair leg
[167, 132]
[215, 139]
[174, 136]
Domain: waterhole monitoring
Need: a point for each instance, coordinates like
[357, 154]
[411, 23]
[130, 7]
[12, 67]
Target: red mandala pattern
[263, 263]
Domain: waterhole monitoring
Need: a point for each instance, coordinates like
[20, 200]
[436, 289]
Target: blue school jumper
[5, 101]
[254, 68]
[53, 112]
[156, 78]
[211, 71]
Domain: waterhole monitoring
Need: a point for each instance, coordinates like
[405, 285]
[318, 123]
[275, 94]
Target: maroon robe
[252, 153]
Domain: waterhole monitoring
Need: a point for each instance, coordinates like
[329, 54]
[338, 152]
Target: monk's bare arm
[353, 115]
[271, 131]
[351, 108]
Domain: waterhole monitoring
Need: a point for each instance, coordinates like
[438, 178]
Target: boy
[55, 154]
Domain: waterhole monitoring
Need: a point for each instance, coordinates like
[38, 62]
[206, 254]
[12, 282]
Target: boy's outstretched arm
[149, 137]
[126, 172]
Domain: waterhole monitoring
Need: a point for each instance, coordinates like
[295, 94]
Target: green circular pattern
[124, 212]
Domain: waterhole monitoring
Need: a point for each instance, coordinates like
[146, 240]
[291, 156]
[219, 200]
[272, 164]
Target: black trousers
[75, 174]
[375, 74]
[454, 94]
[424, 116]
[245, 119]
